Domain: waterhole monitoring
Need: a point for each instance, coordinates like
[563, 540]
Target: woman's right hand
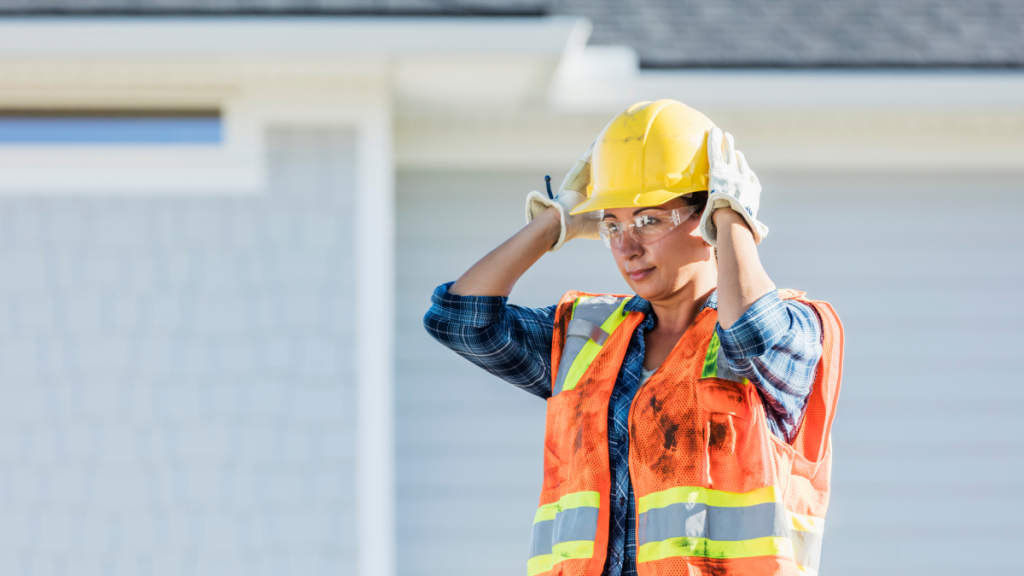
[571, 193]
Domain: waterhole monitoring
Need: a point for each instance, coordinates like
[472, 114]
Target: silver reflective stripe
[722, 523]
[540, 540]
[806, 548]
[570, 525]
[586, 323]
[724, 372]
[575, 524]
[586, 329]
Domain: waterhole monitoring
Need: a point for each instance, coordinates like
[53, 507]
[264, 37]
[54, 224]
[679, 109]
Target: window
[156, 127]
[132, 150]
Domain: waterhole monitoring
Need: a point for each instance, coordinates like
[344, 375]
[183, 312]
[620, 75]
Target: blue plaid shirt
[776, 344]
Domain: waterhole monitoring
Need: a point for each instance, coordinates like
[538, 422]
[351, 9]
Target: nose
[627, 247]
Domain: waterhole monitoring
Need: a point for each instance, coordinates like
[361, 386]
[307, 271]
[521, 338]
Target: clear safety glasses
[646, 227]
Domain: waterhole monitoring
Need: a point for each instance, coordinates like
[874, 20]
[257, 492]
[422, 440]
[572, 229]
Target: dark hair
[699, 199]
[696, 199]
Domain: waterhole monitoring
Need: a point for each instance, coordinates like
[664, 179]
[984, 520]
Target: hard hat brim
[642, 200]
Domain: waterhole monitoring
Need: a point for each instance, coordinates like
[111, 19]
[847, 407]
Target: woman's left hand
[731, 184]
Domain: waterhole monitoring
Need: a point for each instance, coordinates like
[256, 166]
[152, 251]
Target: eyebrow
[635, 212]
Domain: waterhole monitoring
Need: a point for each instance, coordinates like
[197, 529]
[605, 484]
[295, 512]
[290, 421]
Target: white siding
[175, 383]
[928, 436]
[925, 273]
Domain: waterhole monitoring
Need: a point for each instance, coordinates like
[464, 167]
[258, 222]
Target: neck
[677, 312]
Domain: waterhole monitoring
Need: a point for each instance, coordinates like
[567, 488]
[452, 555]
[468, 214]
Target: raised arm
[730, 224]
[774, 343]
[472, 316]
[549, 226]
[497, 273]
[741, 278]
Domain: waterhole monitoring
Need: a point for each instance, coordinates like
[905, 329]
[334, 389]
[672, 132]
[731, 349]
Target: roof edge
[833, 65]
[448, 12]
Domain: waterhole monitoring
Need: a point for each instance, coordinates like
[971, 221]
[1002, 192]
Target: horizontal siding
[928, 288]
[175, 385]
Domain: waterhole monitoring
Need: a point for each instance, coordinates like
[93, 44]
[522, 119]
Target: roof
[689, 33]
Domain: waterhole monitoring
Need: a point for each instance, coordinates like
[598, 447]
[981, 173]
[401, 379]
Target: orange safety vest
[716, 491]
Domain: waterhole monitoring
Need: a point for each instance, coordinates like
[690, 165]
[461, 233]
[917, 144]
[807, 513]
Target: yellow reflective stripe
[705, 548]
[700, 495]
[559, 552]
[711, 358]
[591, 349]
[573, 550]
[540, 564]
[806, 523]
[567, 502]
[576, 303]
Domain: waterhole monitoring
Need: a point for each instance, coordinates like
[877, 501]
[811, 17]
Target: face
[659, 270]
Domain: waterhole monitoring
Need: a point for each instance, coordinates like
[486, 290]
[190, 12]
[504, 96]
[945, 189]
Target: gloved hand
[571, 193]
[731, 184]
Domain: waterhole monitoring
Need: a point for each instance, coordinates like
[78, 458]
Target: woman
[687, 427]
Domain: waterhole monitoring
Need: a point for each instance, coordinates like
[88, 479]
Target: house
[221, 222]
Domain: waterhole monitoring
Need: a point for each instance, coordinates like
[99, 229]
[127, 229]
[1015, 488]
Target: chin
[647, 290]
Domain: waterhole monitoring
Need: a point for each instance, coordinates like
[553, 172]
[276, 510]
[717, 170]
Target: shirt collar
[638, 304]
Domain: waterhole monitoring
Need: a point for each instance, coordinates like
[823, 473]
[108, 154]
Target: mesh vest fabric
[716, 491]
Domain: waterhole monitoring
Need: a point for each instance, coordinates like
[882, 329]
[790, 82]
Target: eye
[645, 220]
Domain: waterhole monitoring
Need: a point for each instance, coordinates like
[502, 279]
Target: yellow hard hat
[649, 154]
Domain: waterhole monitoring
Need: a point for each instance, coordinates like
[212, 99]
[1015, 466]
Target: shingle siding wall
[175, 382]
[927, 437]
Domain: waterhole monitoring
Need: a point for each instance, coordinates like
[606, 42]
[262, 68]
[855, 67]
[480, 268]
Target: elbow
[432, 325]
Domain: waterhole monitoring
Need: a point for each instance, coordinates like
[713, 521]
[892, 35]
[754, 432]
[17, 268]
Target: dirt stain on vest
[713, 567]
[722, 435]
[670, 436]
[668, 447]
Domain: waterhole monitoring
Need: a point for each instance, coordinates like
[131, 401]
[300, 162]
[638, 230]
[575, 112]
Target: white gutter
[175, 37]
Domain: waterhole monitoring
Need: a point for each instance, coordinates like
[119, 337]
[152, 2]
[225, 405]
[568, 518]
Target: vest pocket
[723, 397]
[734, 453]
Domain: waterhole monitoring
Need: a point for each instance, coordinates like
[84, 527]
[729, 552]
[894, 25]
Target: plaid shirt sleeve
[776, 344]
[511, 342]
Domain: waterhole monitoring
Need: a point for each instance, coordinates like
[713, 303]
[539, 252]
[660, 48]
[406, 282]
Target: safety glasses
[646, 227]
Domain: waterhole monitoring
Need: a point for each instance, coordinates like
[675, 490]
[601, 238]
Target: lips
[638, 275]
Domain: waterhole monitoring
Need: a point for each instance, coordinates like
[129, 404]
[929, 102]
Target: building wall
[175, 383]
[925, 272]
[926, 281]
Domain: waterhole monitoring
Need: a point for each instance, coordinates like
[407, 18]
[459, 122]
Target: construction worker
[688, 425]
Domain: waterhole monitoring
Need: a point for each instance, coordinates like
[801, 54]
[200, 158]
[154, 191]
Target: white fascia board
[796, 90]
[249, 38]
[809, 120]
[234, 63]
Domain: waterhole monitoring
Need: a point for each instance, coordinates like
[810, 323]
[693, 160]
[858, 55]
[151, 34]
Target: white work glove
[571, 193]
[731, 184]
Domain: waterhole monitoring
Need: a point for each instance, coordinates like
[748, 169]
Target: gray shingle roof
[693, 33]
